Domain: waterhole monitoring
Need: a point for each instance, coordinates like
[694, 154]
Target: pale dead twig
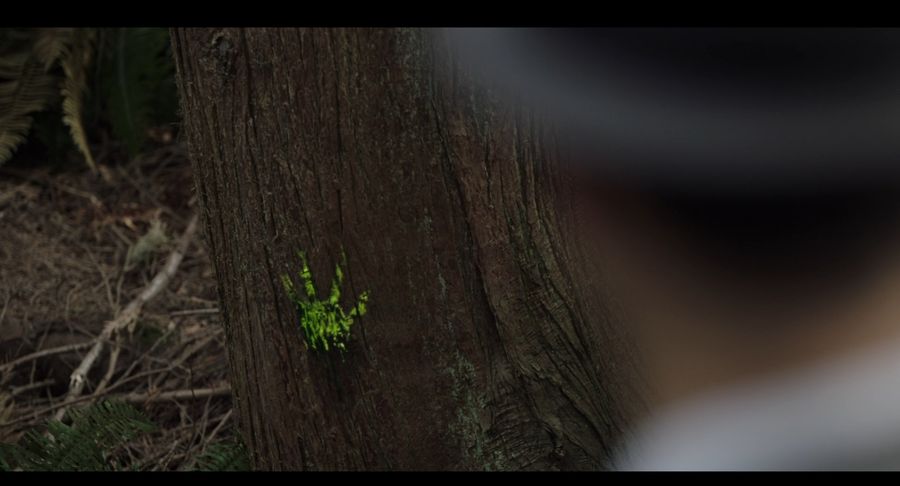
[215, 431]
[191, 312]
[134, 364]
[132, 398]
[111, 368]
[45, 352]
[175, 395]
[209, 438]
[31, 386]
[185, 355]
[129, 314]
[5, 306]
[34, 415]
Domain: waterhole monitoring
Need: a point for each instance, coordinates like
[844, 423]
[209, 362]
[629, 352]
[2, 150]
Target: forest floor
[75, 249]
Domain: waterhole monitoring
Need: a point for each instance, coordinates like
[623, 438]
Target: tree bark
[478, 351]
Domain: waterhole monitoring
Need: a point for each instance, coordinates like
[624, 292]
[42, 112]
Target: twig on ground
[185, 355]
[111, 368]
[31, 386]
[175, 395]
[134, 364]
[129, 314]
[45, 352]
[210, 437]
[5, 306]
[34, 415]
[191, 312]
[215, 431]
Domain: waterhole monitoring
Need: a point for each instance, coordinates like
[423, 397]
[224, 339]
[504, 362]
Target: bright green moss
[325, 324]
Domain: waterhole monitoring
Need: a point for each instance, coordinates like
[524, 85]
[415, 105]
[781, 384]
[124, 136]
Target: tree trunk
[477, 351]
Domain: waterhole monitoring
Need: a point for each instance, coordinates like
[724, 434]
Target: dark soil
[65, 236]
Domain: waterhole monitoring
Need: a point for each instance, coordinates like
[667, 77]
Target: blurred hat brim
[732, 108]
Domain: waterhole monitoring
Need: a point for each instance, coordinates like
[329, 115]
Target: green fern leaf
[84, 445]
[50, 45]
[11, 64]
[29, 90]
[75, 59]
[134, 78]
[230, 455]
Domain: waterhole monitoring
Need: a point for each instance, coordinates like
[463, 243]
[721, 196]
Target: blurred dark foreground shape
[740, 190]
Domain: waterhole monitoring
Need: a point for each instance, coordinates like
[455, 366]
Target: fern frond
[134, 82]
[6, 409]
[11, 64]
[50, 44]
[75, 60]
[84, 445]
[111, 423]
[230, 455]
[23, 94]
[93, 439]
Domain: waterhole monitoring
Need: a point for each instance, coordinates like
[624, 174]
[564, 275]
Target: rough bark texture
[477, 352]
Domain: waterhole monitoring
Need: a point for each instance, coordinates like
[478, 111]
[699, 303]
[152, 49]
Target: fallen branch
[31, 386]
[46, 352]
[127, 397]
[111, 368]
[129, 314]
[191, 312]
[36, 414]
[175, 395]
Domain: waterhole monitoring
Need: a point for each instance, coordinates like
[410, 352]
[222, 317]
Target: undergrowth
[119, 80]
[94, 439]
